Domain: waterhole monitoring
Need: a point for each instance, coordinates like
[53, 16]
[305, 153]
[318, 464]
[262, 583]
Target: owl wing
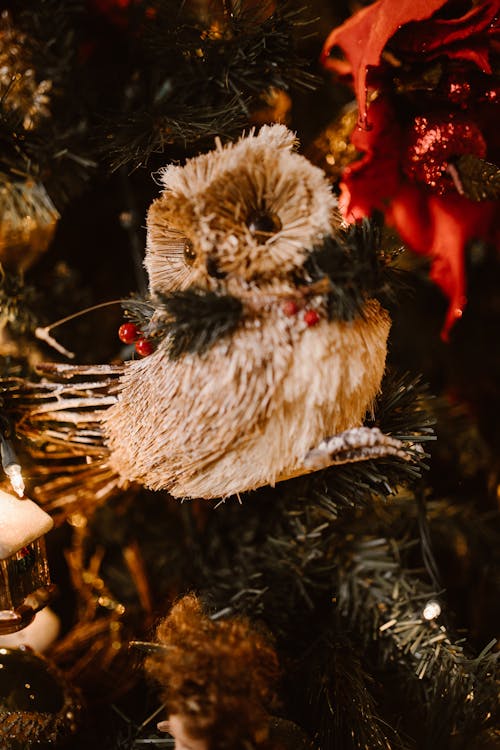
[176, 419]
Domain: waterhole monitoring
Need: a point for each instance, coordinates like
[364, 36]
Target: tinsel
[22, 93]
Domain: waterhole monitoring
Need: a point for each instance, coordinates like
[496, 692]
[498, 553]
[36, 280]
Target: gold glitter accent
[332, 150]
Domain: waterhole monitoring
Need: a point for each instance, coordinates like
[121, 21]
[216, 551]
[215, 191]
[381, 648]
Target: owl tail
[57, 421]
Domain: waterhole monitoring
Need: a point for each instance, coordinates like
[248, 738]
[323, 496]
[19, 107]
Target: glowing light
[16, 478]
[432, 610]
[78, 520]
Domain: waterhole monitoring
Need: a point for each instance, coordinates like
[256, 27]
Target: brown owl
[239, 224]
[258, 374]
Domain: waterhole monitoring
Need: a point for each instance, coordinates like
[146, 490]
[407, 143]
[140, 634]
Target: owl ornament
[260, 370]
[249, 400]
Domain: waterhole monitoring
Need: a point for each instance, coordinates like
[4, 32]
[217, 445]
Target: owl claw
[358, 444]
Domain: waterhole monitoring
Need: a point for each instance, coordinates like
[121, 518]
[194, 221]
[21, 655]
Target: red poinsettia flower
[119, 12]
[429, 65]
[114, 10]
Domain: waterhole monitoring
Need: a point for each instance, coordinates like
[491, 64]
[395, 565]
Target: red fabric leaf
[369, 182]
[433, 225]
[436, 34]
[363, 37]
[472, 53]
[468, 37]
[440, 227]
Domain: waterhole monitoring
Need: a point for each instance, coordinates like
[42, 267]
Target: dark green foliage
[203, 81]
[383, 596]
[346, 714]
[196, 320]
[356, 267]
[192, 320]
[17, 303]
[55, 151]
[143, 132]
[479, 179]
[402, 410]
[300, 569]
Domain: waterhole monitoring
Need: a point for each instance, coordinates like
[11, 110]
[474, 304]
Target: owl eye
[189, 252]
[263, 224]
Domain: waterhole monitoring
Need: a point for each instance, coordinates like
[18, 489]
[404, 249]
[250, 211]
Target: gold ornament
[276, 106]
[28, 220]
[332, 150]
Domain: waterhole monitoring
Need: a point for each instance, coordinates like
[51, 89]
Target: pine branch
[385, 600]
[402, 411]
[221, 71]
[192, 320]
[343, 710]
[402, 408]
[357, 269]
[199, 320]
[42, 130]
[250, 49]
[16, 303]
[143, 132]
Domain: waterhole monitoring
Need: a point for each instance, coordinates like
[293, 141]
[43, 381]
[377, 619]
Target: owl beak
[213, 269]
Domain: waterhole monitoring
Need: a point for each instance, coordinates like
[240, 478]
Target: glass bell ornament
[25, 585]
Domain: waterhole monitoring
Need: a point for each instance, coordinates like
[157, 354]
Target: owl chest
[280, 395]
[269, 373]
[269, 388]
[247, 411]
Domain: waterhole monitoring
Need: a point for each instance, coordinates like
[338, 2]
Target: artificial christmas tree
[340, 543]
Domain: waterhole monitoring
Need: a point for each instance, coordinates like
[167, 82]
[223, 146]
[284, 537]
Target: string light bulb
[16, 478]
[11, 465]
[432, 610]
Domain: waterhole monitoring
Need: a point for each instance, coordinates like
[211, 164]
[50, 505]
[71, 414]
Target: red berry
[143, 347]
[290, 308]
[311, 317]
[128, 333]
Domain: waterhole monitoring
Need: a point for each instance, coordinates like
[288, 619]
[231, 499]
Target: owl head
[249, 212]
